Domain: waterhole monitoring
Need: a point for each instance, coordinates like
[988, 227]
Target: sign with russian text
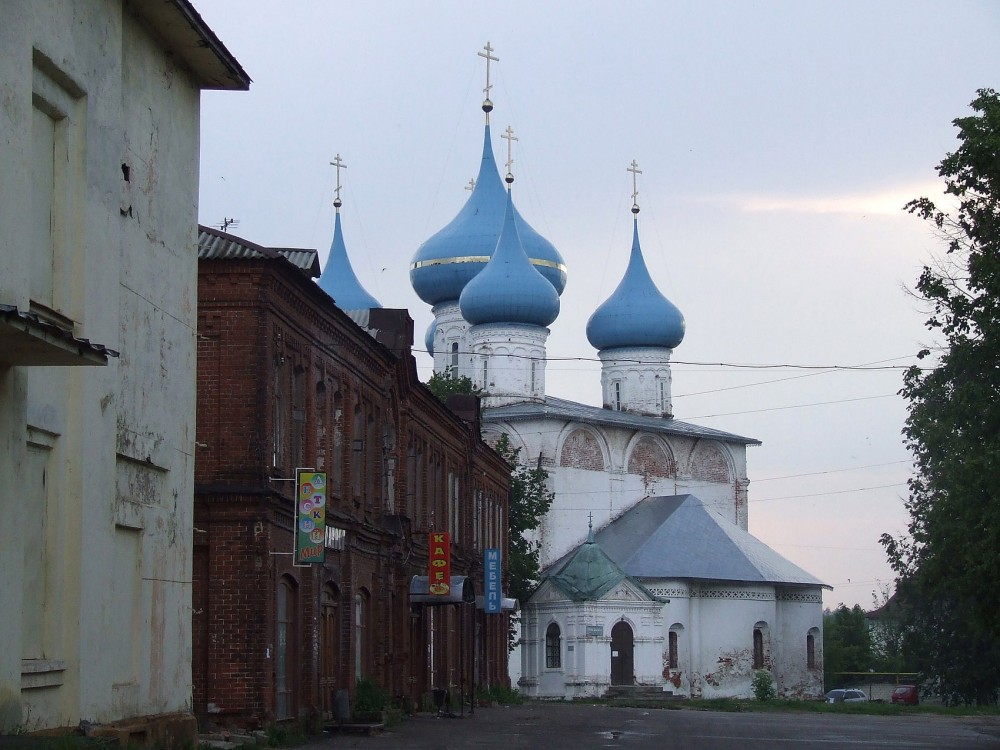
[439, 568]
[491, 566]
[310, 516]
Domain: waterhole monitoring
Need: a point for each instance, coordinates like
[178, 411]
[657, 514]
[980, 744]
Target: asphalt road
[560, 726]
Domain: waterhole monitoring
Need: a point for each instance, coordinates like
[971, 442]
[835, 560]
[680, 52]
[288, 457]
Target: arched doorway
[622, 651]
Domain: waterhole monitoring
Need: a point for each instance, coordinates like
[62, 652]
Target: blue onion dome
[446, 262]
[636, 314]
[338, 278]
[429, 337]
[509, 289]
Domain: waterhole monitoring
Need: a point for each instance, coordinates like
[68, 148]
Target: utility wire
[792, 406]
[829, 471]
[833, 492]
[735, 365]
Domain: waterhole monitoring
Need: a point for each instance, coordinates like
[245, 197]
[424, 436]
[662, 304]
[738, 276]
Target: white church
[650, 577]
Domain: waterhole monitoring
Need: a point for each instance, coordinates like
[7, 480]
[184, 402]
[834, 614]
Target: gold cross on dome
[339, 164]
[634, 169]
[488, 54]
[509, 136]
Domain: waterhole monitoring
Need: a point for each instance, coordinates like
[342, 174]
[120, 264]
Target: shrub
[763, 686]
[500, 694]
[369, 698]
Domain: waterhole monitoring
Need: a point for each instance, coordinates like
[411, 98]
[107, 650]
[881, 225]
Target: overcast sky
[778, 142]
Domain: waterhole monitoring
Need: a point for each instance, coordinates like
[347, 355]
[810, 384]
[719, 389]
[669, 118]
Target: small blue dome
[429, 337]
[636, 314]
[338, 278]
[446, 262]
[509, 289]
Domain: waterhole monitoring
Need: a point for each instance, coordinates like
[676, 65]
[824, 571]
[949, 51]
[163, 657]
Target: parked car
[846, 696]
[906, 694]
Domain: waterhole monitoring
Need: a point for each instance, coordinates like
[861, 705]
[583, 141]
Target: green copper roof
[589, 573]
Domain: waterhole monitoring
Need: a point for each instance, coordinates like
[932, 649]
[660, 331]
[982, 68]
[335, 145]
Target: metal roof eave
[26, 340]
[559, 408]
[185, 34]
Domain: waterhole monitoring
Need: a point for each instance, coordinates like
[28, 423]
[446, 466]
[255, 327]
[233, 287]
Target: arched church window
[454, 359]
[553, 650]
[811, 648]
[672, 650]
[618, 395]
[758, 648]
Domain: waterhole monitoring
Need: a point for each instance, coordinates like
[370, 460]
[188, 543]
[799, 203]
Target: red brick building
[287, 380]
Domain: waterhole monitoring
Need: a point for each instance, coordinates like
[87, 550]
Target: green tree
[530, 500]
[847, 645]
[948, 577]
[887, 628]
[444, 384]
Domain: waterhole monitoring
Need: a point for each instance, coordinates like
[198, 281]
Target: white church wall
[585, 645]
[508, 361]
[637, 380]
[451, 346]
[800, 614]
[728, 616]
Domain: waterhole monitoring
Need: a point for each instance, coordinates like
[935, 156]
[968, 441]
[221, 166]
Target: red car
[906, 694]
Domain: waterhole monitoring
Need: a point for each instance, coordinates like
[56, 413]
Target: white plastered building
[99, 121]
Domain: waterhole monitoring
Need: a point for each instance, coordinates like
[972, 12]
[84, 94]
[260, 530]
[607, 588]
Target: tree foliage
[948, 577]
[444, 384]
[887, 631]
[530, 500]
[847, 645]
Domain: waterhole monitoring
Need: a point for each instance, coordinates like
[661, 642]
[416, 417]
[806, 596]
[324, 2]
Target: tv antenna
[226, 223]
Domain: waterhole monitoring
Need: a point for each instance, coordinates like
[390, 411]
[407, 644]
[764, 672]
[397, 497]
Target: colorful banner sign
[439, 567]
[310, 516]
[491, 565]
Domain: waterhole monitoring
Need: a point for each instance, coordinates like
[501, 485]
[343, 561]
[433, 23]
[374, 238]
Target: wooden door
[622, 650]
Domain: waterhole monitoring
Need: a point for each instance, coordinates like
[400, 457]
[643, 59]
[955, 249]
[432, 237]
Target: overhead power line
[832, 492]
[734, 365]
[831, 471]
[792, 406]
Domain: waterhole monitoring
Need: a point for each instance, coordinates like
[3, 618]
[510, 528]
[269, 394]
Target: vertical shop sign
[491, 566]
[310, 516]
[439, 568]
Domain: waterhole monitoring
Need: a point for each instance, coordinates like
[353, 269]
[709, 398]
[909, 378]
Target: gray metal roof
[677, 536]
[570, 410]
[214, 244]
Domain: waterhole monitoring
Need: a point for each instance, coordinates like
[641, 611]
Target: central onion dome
[509, 289]
[636, 314]
[446, 262]
[338, 278]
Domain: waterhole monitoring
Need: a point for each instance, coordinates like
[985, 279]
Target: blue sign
[494, 596]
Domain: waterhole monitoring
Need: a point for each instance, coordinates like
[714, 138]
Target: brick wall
[286, 380]
[582, 451]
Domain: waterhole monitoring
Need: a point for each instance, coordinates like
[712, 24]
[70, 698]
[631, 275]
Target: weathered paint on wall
[99, 126]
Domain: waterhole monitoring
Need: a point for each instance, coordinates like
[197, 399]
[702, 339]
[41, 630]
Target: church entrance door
[622, 645]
